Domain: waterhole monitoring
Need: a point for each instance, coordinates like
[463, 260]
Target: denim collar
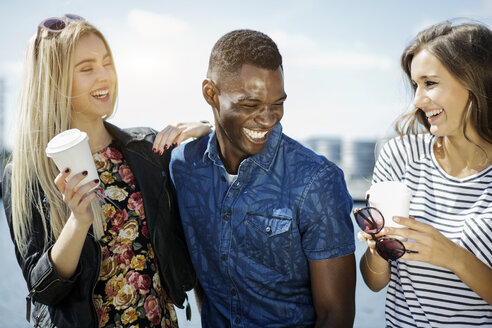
[264, 159]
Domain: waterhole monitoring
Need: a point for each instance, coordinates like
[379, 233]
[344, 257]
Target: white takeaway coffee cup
[391, 198]
[70, 149]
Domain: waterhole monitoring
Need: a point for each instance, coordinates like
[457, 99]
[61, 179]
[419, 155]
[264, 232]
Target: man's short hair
[240, 47]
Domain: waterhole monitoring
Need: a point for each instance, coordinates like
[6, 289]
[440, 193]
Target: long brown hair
[465, 50]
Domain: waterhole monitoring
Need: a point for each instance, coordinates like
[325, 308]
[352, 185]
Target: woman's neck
[99, 137]
[461, 157]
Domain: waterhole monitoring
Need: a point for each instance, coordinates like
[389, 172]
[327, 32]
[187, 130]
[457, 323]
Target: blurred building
[2, 129]
[330, 147]
[358, 160]
[2, 113]
[355, 157]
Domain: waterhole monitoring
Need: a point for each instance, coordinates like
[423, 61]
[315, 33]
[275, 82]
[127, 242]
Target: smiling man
[267, 221]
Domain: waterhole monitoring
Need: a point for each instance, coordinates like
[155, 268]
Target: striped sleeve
[390, 165]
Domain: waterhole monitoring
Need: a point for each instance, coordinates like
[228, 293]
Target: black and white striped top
[421, 294]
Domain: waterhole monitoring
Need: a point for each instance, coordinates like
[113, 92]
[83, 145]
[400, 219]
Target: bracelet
[367, 264]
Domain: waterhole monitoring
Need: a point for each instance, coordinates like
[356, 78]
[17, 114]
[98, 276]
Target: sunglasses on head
[56, 24]
[371, 221]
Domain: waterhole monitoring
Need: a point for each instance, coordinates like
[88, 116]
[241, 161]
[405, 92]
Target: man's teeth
[255, 134]
[433, 112]
[100, 93]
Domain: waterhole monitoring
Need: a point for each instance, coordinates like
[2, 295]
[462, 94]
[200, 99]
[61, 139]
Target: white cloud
[424, 24]
[360, 44]
[160, 76]
[341, 60]
[161, 63]
[12, 67]
[303, 52]
[156, 26]
[292, 42]
[487, 7]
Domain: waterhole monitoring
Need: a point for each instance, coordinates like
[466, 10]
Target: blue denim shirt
[250, 241]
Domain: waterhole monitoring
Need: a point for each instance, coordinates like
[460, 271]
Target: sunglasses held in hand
[371, 221]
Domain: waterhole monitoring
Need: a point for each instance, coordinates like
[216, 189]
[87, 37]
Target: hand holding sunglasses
[371, 221]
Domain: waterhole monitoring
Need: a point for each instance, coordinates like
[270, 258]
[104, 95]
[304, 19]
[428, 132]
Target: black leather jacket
[62, 302]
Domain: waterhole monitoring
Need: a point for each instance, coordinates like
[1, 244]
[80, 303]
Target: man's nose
[268, 116]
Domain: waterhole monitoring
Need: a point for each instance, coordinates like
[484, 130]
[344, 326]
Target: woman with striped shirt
[447, 280]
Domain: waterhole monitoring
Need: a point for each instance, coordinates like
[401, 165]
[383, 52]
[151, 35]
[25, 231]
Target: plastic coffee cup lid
[64, 141]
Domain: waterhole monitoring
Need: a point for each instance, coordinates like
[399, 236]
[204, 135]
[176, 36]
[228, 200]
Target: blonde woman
[92, 261]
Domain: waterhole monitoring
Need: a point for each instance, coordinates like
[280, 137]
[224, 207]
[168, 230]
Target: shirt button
[223, 257]
[227, 217]
[268, 229]
[233, 292]
[237, 321]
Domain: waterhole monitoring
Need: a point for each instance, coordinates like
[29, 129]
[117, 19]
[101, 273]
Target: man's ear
[210, 93]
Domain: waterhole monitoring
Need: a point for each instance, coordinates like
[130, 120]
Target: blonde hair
[45, 111]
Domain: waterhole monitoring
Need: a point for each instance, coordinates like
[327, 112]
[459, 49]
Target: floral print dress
[129, 292]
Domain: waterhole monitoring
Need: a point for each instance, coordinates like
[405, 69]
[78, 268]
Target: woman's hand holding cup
[77, 197]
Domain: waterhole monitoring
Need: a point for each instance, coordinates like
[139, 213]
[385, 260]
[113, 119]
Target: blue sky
[341, 58]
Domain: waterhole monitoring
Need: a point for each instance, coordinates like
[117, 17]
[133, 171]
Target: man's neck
[231, 167]
[230, 157]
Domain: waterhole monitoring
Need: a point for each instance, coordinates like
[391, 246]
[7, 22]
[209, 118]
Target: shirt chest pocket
[268, 241]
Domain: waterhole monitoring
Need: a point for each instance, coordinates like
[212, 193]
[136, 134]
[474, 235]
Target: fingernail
[84, 173]
[175, 144]
[161, 152]
[96, 181]
[67, 170]
[396, 219]
[154, 150]
[165, 146]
